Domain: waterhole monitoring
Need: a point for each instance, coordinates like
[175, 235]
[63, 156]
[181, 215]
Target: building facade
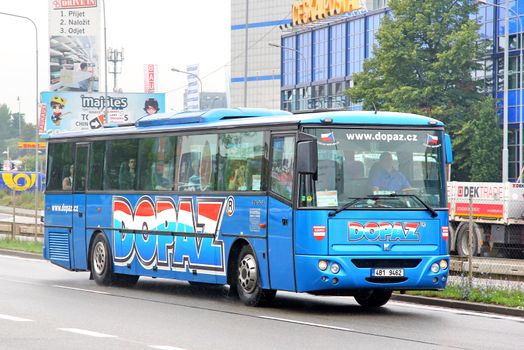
[255, 66]
[314, 65]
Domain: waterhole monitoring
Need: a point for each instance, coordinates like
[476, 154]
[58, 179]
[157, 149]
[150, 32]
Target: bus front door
[79, 208]
[280, 213]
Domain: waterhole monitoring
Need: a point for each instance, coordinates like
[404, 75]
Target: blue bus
[328, 203]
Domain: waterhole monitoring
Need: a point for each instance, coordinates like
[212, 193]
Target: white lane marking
[86, 332]
[457, 311]
[13, 318]
[165, 347]
[19, 258]
[81, 289]
[307, 323]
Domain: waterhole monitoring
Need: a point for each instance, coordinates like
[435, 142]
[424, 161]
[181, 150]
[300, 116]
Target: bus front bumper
[335, 274]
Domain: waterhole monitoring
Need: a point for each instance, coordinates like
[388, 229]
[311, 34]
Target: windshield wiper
[434, 214]
[348, 204]
[332, 213]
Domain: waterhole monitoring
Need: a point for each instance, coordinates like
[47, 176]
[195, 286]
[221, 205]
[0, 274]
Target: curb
[21, 254]
[458, 304]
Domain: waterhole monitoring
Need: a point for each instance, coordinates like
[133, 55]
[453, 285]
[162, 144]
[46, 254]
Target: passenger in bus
[161, 176]
[353, 169]
[67, 182]
[385, 177]
[238, 181]
[194, 179]
[127, 175]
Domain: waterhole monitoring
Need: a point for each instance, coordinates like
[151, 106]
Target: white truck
[498, 217]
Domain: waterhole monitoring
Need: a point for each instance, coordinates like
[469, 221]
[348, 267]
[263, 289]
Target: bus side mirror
[307, 158]
[448, 150]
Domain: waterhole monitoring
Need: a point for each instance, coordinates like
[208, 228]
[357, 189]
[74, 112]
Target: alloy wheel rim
[99, 259]
[248, 273]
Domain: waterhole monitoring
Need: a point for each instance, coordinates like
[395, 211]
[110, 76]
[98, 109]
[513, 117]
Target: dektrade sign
[77, 111]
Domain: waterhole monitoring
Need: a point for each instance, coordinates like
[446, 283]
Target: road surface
[43, 306]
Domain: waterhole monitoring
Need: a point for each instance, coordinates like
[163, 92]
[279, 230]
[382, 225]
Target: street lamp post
[36, 112]
[19, 118]
[194, 75]
[303, 60]
[506, 87]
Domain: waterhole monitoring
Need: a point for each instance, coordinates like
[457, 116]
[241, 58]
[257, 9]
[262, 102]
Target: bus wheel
[373, 298]
[248, 280]
[101, 266]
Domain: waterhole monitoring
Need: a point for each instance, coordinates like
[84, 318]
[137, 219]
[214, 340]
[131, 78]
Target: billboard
[21, 181]
[193, 88]
[150, 78]
[76, 111]
[74, 45]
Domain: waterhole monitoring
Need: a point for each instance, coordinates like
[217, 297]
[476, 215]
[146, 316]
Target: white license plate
[388, 272]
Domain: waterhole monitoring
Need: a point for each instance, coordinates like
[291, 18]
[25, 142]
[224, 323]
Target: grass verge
[25, 246]
[497, 295]
[24, 200]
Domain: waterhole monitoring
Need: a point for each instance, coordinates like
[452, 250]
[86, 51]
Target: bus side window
[96, 170]
[241, 161]
[197, 163]
[59, 163]
[118, 152]
[282, 165]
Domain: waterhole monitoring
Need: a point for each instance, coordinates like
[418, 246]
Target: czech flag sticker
[445, 232]
[319, 232]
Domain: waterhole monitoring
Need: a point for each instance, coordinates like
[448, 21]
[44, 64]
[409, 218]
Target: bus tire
[462, 244]
[248, 280]
[100, 259]
[373, 298]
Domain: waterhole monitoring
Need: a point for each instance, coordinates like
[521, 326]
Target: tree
[484, 141]
[426, 54]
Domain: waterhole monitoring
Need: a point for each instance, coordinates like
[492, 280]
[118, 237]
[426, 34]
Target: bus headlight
[322, 265]
[443, 264]
[335, 268]
[435, 268]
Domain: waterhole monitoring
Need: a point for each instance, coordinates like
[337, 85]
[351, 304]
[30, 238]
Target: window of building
[356, 45]
[373, 23]
[337, 35]
[304, 58]
[320, 54]
[60, 167]
[289, 57]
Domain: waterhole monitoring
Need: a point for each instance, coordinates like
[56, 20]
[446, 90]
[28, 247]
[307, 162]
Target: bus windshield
[376, 168]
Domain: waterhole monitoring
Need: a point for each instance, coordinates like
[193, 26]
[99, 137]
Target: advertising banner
[74, 45]
[75, 111]
[21, 181]
[150, 78]
[193, 88]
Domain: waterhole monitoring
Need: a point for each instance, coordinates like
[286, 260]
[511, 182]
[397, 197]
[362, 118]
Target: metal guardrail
[511, 268]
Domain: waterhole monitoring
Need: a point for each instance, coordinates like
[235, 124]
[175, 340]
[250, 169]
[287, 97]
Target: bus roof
[224, 118]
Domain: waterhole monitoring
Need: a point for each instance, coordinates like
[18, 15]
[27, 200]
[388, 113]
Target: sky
[168, 33]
